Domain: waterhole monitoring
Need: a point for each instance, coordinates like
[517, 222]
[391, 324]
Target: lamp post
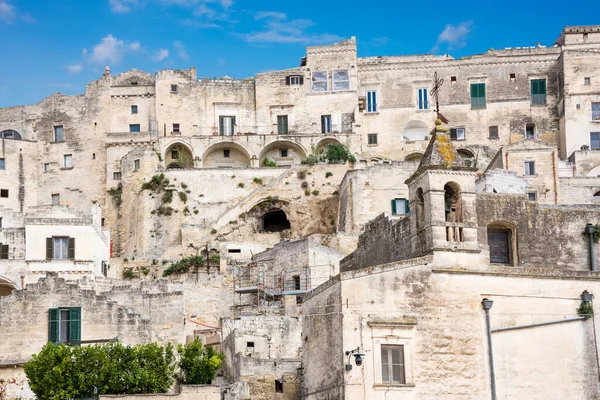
[487, 305]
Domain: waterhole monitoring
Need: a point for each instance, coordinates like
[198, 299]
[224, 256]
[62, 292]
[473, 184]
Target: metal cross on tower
[437, 83]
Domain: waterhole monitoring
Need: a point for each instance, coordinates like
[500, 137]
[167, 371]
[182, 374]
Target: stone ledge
[522, 272]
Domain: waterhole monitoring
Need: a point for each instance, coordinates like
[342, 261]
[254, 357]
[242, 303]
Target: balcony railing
[477, 103]
[538, 99]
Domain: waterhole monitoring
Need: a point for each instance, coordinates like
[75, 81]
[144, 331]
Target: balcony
[478, 103]
[538, 99]
[134, 137]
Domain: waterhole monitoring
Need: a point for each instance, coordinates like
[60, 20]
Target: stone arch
[226, 154]
[594, 171]
[452, 202]
[414, 157]
[6, 286]
[415, 130]
[178, 155]
[467, 155]
[324, 143]
[10, 134]
[502, 242]
[283, 152]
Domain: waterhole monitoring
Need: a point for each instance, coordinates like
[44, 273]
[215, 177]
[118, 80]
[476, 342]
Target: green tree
[198, 363]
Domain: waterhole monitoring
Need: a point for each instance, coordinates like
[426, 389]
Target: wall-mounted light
[358, 358]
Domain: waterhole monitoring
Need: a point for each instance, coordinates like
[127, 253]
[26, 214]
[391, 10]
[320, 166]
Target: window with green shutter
[282, 124]
[3, 251]
[538, 91]
[64, 325]
[400, 207]
[478, 95]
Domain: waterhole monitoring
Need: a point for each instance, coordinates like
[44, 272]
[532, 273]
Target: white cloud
[453, 37]
[122, 6]
[161, 55]
[74, 68]
[181, 51]
[278, 29]
[7, 12]
[110, 50]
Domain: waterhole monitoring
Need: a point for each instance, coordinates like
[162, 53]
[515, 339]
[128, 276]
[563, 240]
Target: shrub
[198, 363]
[335, 193]
[307, 192]
[338, 153]
[328, 174]
[213, 231]
[310, 160]
[61, 372]
[257, 181]
[128, 273]
[241, 185]
[182, 266]
[196, 212]
[145, 270]
[214, 259]
[304, 185]
[167, 197]
[156, 184]
[116, 194]
[267, 162]
[184, 186]
[315, 192]
[166, 211]
[186, 211]
[301, 174]
[183, 196]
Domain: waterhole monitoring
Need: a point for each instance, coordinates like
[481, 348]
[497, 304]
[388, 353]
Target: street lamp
[487, 305]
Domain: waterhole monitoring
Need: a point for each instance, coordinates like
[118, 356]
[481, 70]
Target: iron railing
[478, 102]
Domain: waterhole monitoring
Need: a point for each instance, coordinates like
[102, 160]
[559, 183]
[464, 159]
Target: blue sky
[59, 46]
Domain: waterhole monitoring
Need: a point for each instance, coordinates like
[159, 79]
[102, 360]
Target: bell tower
[442, 193]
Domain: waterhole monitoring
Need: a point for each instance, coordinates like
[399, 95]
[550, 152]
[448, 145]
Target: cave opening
[275, 221]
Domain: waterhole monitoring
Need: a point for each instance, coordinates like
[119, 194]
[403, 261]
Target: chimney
[107, 70]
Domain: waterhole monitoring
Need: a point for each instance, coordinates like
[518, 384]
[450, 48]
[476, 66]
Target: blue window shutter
[394, 207]
[74, 324]
[407, 209]
[374, 94]
[426, 99]
[420, 99]
[53, 324]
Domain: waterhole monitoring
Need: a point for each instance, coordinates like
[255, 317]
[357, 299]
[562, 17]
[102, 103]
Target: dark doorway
[499, 241]
[276, 221]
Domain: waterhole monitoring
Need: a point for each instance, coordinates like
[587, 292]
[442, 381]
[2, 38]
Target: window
[133, 83]
[529, 168]
[319, 82]
[134, 109]
[60, 248]
[93, 156]
[325, 123]
[3, 251]
[3, 192]
[55, 199]
[174, 154]
[399, 207]
[234, 250]
[278, 386]
[2, 163]
[372, 138]
[226, 125]
[422, 99]
[587, 81]
[457, 133]
[341, 80]
[371, 101]
[175, 128]
[392, 364]
[477, 95]
[452, 80]
[68, 160]
[595, 111]
[46, 167]
[283, 153]
[136, 165]
[532, 196]
[282, 124]
[512, 76]
[595, 140]
[530, 131]
[134, 128]
[59, 133]
[116, 176]
[499, 242]
[174, 88]
[226, 153]
[294, 80]
[493, 132]
[538, 91]
[64, 325]
[1, 221]
[10, 134]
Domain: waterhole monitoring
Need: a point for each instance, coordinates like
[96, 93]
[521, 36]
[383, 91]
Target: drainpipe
[590, 230]
[487, 304]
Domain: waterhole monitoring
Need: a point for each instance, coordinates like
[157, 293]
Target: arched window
[597, 194]
[452, 202]
[10, 134]
[420, 209]
[502, 243]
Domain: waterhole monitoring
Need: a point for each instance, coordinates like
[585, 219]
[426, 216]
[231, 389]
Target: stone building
[143, 170]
